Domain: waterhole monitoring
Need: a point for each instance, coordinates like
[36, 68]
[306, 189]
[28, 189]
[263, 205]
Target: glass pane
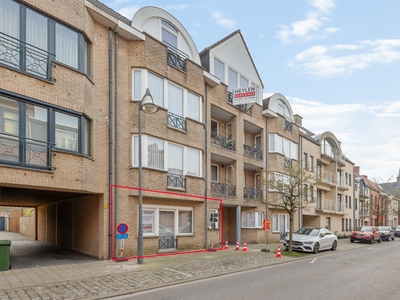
[169, 38]
[66, 132]
[193, 162]
[243, 82]
[156, 87]
[214, 173]
[9, 18]
[175, 100]
[155, 153]
[169, 26]
[175, 159]
[219, 70]
[137, 85]
[36, 122]
[86, 138]
[193, 107]
[185, 222]
[9, 130]
[166, 223]
[232, 80]
[148, 220]
[135, 150]
[66, 46]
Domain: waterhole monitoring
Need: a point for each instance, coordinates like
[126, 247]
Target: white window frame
[276, 221]
[257, 216]
[277, 143]
[175, 209]
[217, 167]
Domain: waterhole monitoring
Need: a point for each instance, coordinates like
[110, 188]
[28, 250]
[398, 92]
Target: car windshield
[308, 231]
[367, 229]
[384, 228]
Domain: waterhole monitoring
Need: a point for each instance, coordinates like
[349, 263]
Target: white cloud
[312, 23]
[364, 143]
[129, 11]
[327, 61]
[176, 7]
[224, 22]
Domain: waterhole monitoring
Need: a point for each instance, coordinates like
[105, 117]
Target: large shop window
[251, 219]
[177, 100]
[29, 131]
[171, 157]
[30, 41]
[167, 220]
[283, 146]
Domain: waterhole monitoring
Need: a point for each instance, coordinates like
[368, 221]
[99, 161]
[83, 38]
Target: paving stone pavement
[104, 279]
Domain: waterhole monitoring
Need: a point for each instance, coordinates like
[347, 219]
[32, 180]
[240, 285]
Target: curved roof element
[331, 138]
[148, 19]
[277, 104]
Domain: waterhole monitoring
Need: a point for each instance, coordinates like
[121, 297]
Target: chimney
[298, 119]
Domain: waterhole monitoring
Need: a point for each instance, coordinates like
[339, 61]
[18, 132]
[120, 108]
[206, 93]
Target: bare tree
[381, 205]
[288, 189]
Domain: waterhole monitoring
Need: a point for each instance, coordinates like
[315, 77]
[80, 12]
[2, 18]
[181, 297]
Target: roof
[110, 11]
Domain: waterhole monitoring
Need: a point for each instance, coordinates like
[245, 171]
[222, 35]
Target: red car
[367, 234]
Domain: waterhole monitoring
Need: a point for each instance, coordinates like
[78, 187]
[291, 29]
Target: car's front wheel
[351, 241]
[316, 248]
[334, 246]
[380, 240]
[372, 240]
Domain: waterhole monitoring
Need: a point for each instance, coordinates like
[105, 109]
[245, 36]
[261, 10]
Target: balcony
[225, 189]
[252, 193]
[242, 107]
[329, 206]
[342, 184]
[176, 121]
[326, 177]
[363, 193]
[176, 181]
[223, 141]
[25, 57]
[253, 151]
[176, 58]
[331, 153]
[25, 152]
[363, 213]
[288, 125]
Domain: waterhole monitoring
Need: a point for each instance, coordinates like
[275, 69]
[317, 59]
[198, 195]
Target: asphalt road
[367, 273]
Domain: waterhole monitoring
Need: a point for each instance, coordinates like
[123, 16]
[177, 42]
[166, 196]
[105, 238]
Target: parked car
[367, 234]
[312, 239]
[397, 231]
[387, 233]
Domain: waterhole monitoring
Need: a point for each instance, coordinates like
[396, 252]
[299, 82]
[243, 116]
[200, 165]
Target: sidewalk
[103, 279]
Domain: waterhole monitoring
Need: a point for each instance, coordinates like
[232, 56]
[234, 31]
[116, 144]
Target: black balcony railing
[167, 242]
[243, 107]
[288, 125]
[253, 151]
[223, 141]
[252, 193]
[175, 180]
[176, 121]
[226, 189]
[25, 152]
[176, 58]
[25, 57]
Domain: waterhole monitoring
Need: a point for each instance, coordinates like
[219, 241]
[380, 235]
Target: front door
[166, 230]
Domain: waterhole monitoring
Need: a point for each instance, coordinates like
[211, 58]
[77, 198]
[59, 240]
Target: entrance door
[166, 230]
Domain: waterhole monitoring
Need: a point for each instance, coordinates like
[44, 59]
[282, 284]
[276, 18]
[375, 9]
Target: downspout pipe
[116, 135]
[207, 168]
[110, 139]
[266, 170]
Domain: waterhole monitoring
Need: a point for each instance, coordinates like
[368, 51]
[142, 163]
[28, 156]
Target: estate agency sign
[244, 95]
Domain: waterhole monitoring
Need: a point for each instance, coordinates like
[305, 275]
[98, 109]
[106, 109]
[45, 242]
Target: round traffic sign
[122, 228]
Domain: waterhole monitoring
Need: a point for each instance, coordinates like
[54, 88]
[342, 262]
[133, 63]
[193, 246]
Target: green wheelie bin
[5, 255]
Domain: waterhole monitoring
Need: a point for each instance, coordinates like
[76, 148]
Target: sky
[336, 61]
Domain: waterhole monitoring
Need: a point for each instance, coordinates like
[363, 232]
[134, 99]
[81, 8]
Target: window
[175, 159]
[350, 179]
[280, 223]
[219, 70]
[346, 201]
[66, 131]
[167, 220]
[193, 159]
[304, 160]
[312, 194]
[193, 106]
[339, 202]
[251, 219]
[155, 153]
[137, 85]
[44, 38]
[156, 87]
[283, 146]
[349, 201]
[175, 100]
[305, 192]
[311, 164]
[342, 224]
[169, 34]
[243, 82]
[232, 80]
[214, 173]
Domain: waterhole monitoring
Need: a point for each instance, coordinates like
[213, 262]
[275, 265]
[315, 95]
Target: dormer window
[169, 34]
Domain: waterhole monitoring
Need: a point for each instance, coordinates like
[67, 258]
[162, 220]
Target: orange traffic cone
[244, 247]
[278, 254]
[237, 246]
[226, 245]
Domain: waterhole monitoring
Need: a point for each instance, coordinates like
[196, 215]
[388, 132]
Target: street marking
[313, 261]
[179, 272]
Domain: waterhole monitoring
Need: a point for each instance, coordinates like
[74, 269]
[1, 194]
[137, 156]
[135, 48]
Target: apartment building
[362, 205]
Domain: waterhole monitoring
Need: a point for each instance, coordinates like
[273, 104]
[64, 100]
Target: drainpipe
[116, 136]
[110, 138]
[266, 168]
[207, 167]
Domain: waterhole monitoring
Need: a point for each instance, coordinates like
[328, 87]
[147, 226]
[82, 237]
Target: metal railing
[175, 180]
[176, 58]
[243, 107]
[167, 242]
[25, 57]
[326, 177]
[25, 152]
[288, 125]
[223, 141]
[252, 192]
[253, 151]
[226, 189]
[330, 151]
[329, 205]
[364, 213]
[176, 121]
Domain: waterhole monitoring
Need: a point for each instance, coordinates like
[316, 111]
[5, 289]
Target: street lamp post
[148, 106]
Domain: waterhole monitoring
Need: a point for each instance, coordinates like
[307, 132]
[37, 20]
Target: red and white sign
[244, 95]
